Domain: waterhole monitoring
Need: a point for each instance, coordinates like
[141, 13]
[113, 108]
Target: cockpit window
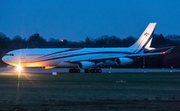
[9, 54]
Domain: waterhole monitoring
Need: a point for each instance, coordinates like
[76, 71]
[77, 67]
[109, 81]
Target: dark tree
[17, 42]
[4, 42]
[102, 41]
[53, 40]
[128, 41]
[114, 41]
[175, 38]
[35, 41]
[158, 41]
[88, 42]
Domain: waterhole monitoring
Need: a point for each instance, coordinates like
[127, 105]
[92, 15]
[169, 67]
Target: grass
[142, 91]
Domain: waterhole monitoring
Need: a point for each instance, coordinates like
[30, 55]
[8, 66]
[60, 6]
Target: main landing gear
[92, 70]
[74, 70]
[85, 70]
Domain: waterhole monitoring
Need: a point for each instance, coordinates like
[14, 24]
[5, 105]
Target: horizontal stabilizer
[158, 51]
[163, 49]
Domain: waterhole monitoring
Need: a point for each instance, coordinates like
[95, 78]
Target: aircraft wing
[101, 59]
[95, 58]
[111, 57]
[145, 54]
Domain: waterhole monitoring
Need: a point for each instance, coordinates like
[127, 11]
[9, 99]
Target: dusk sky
[74, 20]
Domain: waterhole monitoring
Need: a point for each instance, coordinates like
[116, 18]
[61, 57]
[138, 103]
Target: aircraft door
[22, 56]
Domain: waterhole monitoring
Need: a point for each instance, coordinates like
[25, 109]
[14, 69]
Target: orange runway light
[19, 68]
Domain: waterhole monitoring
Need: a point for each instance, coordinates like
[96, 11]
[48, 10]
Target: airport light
[163, 52]
[19, 68]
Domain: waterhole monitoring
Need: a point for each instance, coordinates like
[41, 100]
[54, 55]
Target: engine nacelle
[124, 61]
[111, 62]
[86, 64]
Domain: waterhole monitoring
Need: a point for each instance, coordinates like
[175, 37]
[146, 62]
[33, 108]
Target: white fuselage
[61, 57]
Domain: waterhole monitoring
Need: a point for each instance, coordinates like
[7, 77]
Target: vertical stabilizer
[145, 39]
[148, 44]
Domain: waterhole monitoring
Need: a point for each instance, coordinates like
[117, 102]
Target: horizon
[80, 40]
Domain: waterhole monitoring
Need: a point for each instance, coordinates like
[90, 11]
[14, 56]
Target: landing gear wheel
[86, 70]
[95, 70]
[99, 71]
[92, 70]
[78, 70]
[70, 70]
[74, 70]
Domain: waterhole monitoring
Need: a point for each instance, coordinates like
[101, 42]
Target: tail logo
[146, 34]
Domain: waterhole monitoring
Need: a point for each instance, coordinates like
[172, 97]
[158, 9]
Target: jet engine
[124, 61]
[111, 62]
[86, 64]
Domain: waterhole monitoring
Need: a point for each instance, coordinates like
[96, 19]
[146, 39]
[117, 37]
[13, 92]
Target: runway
[104, 70]
[115, 89]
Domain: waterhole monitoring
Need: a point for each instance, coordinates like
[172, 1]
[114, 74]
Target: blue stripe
[85, 54]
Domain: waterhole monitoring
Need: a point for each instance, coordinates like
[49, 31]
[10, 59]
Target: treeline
[36, 41]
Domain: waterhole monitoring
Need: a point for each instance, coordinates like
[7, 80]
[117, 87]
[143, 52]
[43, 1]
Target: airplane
[88, 59]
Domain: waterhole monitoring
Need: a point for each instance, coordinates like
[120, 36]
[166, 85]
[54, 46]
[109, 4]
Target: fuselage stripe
[110, 52]
[71, 49]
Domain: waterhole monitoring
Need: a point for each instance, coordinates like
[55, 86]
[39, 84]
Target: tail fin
[145, 39]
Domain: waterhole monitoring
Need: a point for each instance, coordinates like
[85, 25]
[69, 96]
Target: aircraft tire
[86, 70]
[99, 71]
[74, 70]
[92, 70]
[70, 70]
[78, 70]
[95, 70]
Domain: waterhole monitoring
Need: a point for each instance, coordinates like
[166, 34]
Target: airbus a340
[83, 58]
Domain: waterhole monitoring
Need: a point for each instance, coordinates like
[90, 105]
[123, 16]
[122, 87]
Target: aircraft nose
[5, 59]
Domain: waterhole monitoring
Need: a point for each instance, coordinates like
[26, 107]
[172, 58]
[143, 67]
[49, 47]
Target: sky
[74, 20]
